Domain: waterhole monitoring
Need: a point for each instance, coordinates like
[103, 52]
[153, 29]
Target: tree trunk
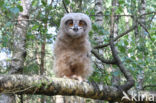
[42, 69]
[115, 78]
[98, 18]
[99, 22]
[19, 51]
[140, 41]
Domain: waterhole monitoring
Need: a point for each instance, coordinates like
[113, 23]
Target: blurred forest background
[136, 48]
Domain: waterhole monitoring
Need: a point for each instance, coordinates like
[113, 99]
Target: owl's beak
[75, 28]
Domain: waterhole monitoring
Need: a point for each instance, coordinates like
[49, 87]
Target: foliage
[137, 56]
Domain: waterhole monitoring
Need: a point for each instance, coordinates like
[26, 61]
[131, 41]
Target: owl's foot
[79, 78]
[65, 77]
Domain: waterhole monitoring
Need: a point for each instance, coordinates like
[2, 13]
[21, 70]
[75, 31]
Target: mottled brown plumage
[72, 47]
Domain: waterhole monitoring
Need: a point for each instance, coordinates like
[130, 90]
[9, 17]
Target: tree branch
[144, 29]
[43, 85]
[102, 59]
[146, 86]
[117, 37]
[148, 13]
[22, 84]
[114, 15]
[65, 7]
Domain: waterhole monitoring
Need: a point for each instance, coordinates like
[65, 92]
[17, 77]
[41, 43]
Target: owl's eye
[82, 23]
[69, 23]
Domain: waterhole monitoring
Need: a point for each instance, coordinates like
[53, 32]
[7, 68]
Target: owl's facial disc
[75, 28]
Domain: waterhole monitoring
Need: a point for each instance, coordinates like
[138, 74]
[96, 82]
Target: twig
[129, 15]
[114, 15]
[144, 29]
[117, 37]
[148, 13]
[16, 20]
[151, 19]
[152, 85]
[102, 59]
[65, 6]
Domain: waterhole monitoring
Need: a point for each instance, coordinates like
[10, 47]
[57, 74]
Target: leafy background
[137, 55]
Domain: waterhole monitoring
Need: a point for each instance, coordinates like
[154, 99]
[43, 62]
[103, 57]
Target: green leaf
[4, 41]
[122, 49]
[44, 2]
[34, 2]
[1, 3]
[119, 10]
[35, 27]
[20, 8]
[121, 2]
[126, 42]
[94, 26]
[67, 2]
[30, 37]
[130, 50]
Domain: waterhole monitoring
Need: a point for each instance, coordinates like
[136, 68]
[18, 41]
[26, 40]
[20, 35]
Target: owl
[72, 47]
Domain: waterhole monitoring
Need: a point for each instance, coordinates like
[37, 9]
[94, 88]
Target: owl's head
[75, 24]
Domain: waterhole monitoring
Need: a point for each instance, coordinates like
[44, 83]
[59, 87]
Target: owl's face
[76, 24]
[75, 28]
